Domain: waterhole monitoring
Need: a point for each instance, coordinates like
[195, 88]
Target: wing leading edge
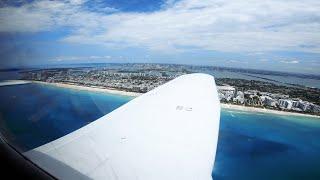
[170, 132]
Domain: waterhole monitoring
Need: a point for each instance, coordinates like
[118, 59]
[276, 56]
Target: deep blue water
[34, 114]
[265, 146]
[251, 145]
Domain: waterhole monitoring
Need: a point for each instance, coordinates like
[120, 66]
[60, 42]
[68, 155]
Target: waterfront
[135, 94]
[141, 78]
[251, 145]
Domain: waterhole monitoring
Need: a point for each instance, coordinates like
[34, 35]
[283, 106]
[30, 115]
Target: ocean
[251, 145]
[266, 146]
[34, 114]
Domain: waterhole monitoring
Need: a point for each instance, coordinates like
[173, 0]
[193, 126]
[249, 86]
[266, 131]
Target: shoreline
[134, 94]
[13, 82]
[264, 110]
[91, 88]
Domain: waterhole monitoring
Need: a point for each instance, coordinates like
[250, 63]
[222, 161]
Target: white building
[314, 108]
[300, 105]
[228, 92]
[279, 96]
[221, 96]
[268, 101]
[303, 105]
[239, 97]
[251, 92]
[285, 103]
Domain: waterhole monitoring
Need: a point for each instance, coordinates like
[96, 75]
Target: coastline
[264, 110]
[134, 94]
[91, 88]
[13, 82]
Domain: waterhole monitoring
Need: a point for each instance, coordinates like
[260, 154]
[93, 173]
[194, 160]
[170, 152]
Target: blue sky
[281, 35]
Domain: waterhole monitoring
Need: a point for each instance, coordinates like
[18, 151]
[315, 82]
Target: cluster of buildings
[230, 94]
[144, 77]
[132, 81]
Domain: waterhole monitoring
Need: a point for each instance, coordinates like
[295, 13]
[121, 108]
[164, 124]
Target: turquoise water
[251, 145]
[264, 146]
[33, 114]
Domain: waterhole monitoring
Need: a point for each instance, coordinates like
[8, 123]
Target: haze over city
[275, 35]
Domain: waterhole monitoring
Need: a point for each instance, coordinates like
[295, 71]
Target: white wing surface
[170, 133]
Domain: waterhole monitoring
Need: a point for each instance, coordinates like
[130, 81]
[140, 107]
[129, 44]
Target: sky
[279, 35]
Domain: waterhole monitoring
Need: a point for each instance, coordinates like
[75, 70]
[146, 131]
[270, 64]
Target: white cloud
[220, 25]
[290, 62]
[80, 58]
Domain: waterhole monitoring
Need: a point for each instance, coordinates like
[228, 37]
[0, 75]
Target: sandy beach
[91, 88]
[13, 82]
[263, 110]
[134, 94]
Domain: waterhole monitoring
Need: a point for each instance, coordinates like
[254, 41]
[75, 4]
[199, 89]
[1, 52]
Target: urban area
[144, 77]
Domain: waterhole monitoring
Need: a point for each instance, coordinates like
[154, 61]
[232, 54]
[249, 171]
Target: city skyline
[270, 35]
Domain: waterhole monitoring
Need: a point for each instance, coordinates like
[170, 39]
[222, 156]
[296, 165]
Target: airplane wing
[170, 132]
